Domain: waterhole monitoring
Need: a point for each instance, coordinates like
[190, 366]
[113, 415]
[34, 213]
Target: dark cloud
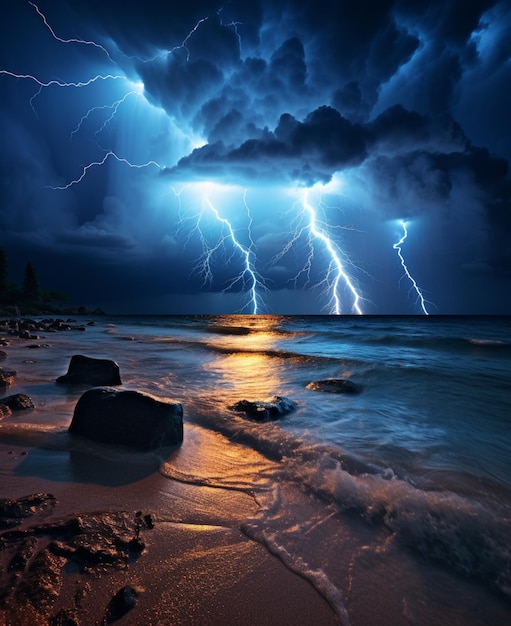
[302, 152]
[407, 100]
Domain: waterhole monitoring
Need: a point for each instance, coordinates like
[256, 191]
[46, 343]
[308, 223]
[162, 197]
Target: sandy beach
[197, 566]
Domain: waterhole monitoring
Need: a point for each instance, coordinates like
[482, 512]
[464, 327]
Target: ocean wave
[440, 343]
[457, 530]
[441, 526]
[270, 353]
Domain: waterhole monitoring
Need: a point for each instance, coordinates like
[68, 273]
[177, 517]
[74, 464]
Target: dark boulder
[17, 402]
[89, 371]
[262, 411]
[3, 354]
[128, 418]
[334, 385]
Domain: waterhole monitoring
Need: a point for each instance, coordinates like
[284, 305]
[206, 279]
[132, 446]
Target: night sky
[259, 154]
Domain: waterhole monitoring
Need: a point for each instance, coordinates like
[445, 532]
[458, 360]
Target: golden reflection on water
[247, 370]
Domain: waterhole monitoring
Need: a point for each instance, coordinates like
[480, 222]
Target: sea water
[401, 492]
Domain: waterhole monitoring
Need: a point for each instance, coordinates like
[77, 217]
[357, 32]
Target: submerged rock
[89, 371]
[334, 385]
[6, 378]
[128, 418]
[262, 411]
[17, 402]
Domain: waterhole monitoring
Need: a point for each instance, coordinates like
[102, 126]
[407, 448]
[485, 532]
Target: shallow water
[408, 481]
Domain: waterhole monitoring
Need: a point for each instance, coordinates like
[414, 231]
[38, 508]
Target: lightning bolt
[335, 273]
[101, 162]
[61, 83]
[397, 247]
[249, 278]
[79, 41]
[114, 107]
[315, 231]
[311, 226]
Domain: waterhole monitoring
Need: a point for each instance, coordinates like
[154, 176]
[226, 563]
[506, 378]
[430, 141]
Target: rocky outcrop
[335, 385]
[34, 559]
[265, 410]
[85, 370]
[26, 328]
[128, 418]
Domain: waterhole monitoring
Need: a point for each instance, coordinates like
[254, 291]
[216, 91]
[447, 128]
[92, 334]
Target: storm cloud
[406, 102]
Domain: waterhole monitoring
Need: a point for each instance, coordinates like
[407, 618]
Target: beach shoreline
[236, 534]
[197, 566]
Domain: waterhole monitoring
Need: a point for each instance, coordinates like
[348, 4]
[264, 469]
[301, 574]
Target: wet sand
[197, 566]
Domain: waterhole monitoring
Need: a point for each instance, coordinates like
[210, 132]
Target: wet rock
[17, 402]
[26, 328]
[35, 558]
[263, 411]
[128, 418]
[13, 511]
[3, 354]
[90, 371]
[335, 385]
[6, 378]
[123, 601]
[40, 586]
[23, 554]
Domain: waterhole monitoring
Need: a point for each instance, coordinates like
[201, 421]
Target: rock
[35, 560]
[17, 402]
[40, 586]
[12, 512]
[89, 371]
[128, 418]
[6, 378]
[335, 385]
[262, 411]
[24, 329]
[123, 601]
[3, 354]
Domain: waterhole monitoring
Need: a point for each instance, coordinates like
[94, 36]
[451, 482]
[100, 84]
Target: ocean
[394, 501]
